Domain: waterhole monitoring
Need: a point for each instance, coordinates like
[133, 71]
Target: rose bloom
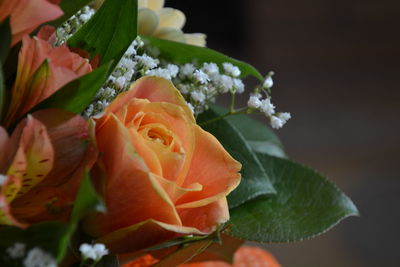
[27, 15]
[41, 167]
[42, 70]
[159, 173]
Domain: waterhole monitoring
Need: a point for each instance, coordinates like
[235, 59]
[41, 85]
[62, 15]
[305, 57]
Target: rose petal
[219, 178]
[206, 218]
[126, 173]
[143, 235]
[155, 89]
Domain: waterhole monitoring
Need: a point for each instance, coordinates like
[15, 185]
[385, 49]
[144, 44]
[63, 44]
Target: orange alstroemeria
[41, 166]
[244, 257]
[42, 70]
[27, 15]
[160, 174]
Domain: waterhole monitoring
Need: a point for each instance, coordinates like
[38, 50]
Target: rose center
[160, 136]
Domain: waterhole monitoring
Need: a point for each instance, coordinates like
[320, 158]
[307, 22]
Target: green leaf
[70, 7]
[5, 37]
[86, 200]
[78, 94]
[180, 53]
[260, 137]
[109, 32]
[255, 181]
[306, 204]
[48, 235]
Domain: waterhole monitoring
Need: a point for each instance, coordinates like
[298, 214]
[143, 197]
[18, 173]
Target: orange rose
[41, 166]
[160, 174]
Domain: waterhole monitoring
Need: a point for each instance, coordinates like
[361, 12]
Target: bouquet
[115, 153]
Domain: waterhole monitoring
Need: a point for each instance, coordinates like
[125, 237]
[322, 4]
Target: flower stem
[232, 109]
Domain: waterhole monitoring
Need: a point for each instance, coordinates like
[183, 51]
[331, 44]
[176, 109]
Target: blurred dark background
[337, 65]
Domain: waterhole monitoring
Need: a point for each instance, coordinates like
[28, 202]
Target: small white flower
[267, 107]
[268, 83]
[210, 68]
[94, 252]
[284, 116]
[276, 122]
[3, 179]
[16, 251]
[254, 102]
[128, 75]
[39, 258]
[173, 70]
[231, 70]
[120, 82]
[127, 63]
[84, 17]
[238, 85]
[224, 82]
[131, 50]
[109, 92]
[184, 88]
[201, 77]
[187, 70]
[198, 96]
[147, 61]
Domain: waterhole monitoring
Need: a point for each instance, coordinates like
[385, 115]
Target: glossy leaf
[255, 181]
[5, 37]
[70, 7]
[306, 204]
[260, 137]
[109, 32]
[77, 94]
[180, 53]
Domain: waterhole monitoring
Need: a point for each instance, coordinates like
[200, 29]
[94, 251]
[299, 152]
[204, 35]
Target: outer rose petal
[28, 15]
[206, 218]
[155, 89]
[219, 178]
[42, 70]
[126, 173]
[143, 235]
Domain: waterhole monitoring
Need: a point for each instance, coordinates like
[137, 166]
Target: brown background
[337, 65]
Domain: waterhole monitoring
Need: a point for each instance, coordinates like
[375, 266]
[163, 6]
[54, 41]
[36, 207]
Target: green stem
[232, 109]
[234, 112]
